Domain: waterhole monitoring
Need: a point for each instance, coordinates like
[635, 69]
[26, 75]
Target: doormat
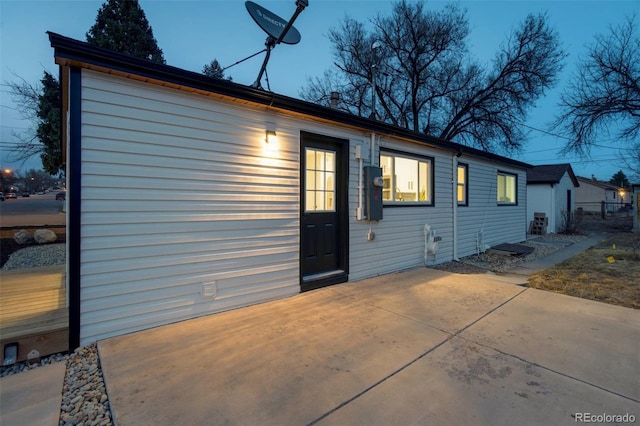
[513, 249]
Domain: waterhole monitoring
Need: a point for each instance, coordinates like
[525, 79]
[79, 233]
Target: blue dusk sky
[192, 33]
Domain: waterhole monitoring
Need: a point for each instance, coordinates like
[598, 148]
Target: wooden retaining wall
[33, 311]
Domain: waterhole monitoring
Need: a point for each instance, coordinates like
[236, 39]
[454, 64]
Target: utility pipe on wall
[373, 149]
[359, 215]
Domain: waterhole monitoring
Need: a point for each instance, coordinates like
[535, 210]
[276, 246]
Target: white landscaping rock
[44, 236]
[23, 237]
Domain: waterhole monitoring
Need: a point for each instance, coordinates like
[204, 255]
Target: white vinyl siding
[177, 192]
[187, 211]
[541, 199]
[550, 199]
[483, 220]
[399, 236]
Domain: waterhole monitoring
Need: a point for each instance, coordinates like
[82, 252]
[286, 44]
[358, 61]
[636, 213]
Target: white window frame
[501, 198]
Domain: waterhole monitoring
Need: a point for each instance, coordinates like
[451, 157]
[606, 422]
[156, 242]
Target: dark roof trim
[550, 174]
[84, 53]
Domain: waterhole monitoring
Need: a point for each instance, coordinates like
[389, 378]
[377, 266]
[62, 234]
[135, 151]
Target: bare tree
[26, 97]
[604, 93]
[426, 79]
[491, 106]
[40, 105]
[631, 159]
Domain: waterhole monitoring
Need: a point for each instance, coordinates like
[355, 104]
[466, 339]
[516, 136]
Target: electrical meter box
[373, 184]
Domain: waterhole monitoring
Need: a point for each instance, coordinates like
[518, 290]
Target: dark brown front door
[323, 233]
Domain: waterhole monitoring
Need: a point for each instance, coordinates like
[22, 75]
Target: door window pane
[330, 162]
[320, 180]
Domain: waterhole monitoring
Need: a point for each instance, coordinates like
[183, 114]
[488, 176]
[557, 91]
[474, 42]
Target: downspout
[454, 193]
[359, 209]
[360, 158]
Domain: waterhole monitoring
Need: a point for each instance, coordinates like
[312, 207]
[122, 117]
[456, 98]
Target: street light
[6, 174]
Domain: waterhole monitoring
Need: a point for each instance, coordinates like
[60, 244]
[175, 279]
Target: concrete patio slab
[416, 347]
[462, 383]
[284, 362]
[590, 341]
[32, 397]
[443, 300]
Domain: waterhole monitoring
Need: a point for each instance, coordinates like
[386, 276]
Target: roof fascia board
[77, 53]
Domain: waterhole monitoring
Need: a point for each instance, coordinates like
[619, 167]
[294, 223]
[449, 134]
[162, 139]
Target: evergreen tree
[48, 130]
[122, 25]
[214, 70]
[620, 179]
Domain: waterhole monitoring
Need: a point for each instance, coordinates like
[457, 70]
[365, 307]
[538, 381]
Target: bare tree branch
[603, 97]
[427, 81]
[26, 97]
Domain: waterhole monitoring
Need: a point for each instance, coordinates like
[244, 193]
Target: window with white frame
[463, 188]
[507, 193]
[407, 179]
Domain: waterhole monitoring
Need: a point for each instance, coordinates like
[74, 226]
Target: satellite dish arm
[271, 42]
[300, 5]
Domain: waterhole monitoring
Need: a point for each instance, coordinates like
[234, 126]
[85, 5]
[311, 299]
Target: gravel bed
[489, 261]
[84, 397]
[29, 257]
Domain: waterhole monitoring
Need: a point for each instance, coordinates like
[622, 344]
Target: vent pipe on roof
[335, 97]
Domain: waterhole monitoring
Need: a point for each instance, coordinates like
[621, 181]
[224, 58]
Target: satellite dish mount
[278, 30]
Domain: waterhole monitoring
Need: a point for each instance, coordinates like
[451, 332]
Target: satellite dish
[278, 30]
[272, 24]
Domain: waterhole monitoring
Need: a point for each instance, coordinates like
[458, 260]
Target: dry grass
[591, 275]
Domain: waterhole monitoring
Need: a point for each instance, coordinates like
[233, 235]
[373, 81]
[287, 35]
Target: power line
[546, 132]
[14, 127]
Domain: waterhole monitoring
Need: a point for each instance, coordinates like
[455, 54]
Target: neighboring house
[189, 195]
[592, 192]
[550, 190]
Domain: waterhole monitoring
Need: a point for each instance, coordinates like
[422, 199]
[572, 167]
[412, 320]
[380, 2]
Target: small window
[507, 189]
[407, 180]
[463, 188]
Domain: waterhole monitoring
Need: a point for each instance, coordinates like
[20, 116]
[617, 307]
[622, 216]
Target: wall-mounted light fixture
[270, 136]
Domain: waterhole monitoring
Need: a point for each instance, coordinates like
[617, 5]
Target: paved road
[35, 210]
